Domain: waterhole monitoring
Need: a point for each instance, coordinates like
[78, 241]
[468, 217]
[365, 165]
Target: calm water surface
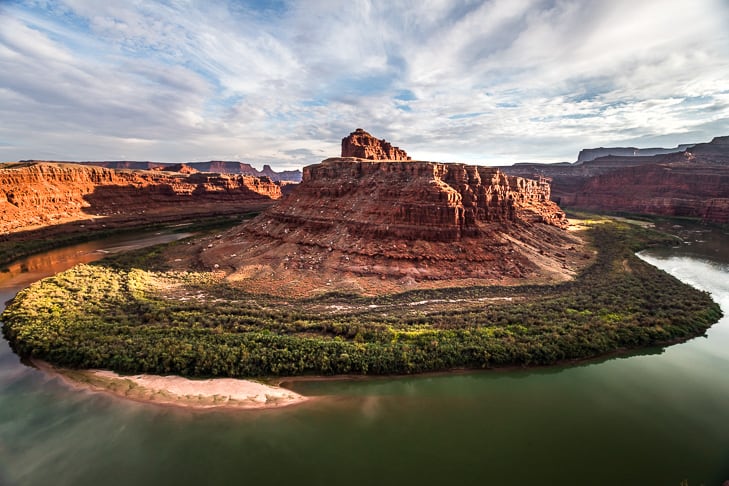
[656, 418]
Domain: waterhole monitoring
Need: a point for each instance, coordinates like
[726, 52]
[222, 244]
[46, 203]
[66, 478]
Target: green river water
[659, 417]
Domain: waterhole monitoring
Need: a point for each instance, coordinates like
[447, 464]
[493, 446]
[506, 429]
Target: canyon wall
[692, 183]
[41, 194]
[683, 190]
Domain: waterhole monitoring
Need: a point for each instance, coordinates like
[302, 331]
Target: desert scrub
[121, 314]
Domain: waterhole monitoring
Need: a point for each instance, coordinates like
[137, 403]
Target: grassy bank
[130, 316]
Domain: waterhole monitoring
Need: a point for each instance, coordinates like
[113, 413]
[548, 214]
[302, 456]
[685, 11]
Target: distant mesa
[587, 155]
[214, 166]
[380, 223]
[362, 145]
[179, 168]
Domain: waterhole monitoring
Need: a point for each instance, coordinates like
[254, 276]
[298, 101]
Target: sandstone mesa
[376, 225]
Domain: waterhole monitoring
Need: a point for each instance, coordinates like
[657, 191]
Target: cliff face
[692, 183]
[415, 200]
[688, 189]
[363, 145]
[372, 226]
[37, 194]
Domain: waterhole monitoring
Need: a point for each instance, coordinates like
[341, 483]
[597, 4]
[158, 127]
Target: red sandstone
[364, 146]
[383, 226]
[44, 194]
[693, 183]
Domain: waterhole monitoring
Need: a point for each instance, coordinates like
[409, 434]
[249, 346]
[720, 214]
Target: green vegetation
[127, 315]
[650, 219]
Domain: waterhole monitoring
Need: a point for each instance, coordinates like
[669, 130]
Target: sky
[281, 82]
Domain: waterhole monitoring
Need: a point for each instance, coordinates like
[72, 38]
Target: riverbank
[132, 315]
[215, 393]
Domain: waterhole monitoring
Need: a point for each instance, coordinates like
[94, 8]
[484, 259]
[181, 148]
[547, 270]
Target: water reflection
[35, 267]
[706, 242]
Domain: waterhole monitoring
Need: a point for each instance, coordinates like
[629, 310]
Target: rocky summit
[371, 227]
[364, 146]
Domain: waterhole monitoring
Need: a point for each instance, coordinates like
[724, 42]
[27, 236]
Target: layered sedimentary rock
[39, 194]
[363, 145]
[416, 201]
[383, 226]
[686, 190]
[692, 183]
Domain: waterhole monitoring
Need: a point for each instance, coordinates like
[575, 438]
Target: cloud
[282, 82]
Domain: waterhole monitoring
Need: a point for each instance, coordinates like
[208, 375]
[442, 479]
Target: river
[658, 417]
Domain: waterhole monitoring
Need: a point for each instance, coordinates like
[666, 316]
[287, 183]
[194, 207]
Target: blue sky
[281, 82]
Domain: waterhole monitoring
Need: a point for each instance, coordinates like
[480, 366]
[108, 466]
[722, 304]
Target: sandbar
[213, 393]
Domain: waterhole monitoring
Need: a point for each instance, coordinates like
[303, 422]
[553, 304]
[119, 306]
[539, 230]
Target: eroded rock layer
[415, 201]
[42, 194]
[362, 145]
[383, 226]
[693, 183]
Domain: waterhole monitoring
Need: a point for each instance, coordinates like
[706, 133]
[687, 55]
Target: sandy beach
[177, 391]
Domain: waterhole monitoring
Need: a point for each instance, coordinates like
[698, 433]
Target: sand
[213, 393]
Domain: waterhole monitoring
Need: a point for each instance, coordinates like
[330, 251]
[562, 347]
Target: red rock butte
[382, 226]
[362, 145]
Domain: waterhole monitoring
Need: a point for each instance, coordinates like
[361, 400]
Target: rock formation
[692, 183]
[39, 194]
[384, 226]
[417, 200]
[364, 146]
[215, 166]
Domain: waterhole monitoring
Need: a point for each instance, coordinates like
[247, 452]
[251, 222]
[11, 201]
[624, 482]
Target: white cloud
[487, 81]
